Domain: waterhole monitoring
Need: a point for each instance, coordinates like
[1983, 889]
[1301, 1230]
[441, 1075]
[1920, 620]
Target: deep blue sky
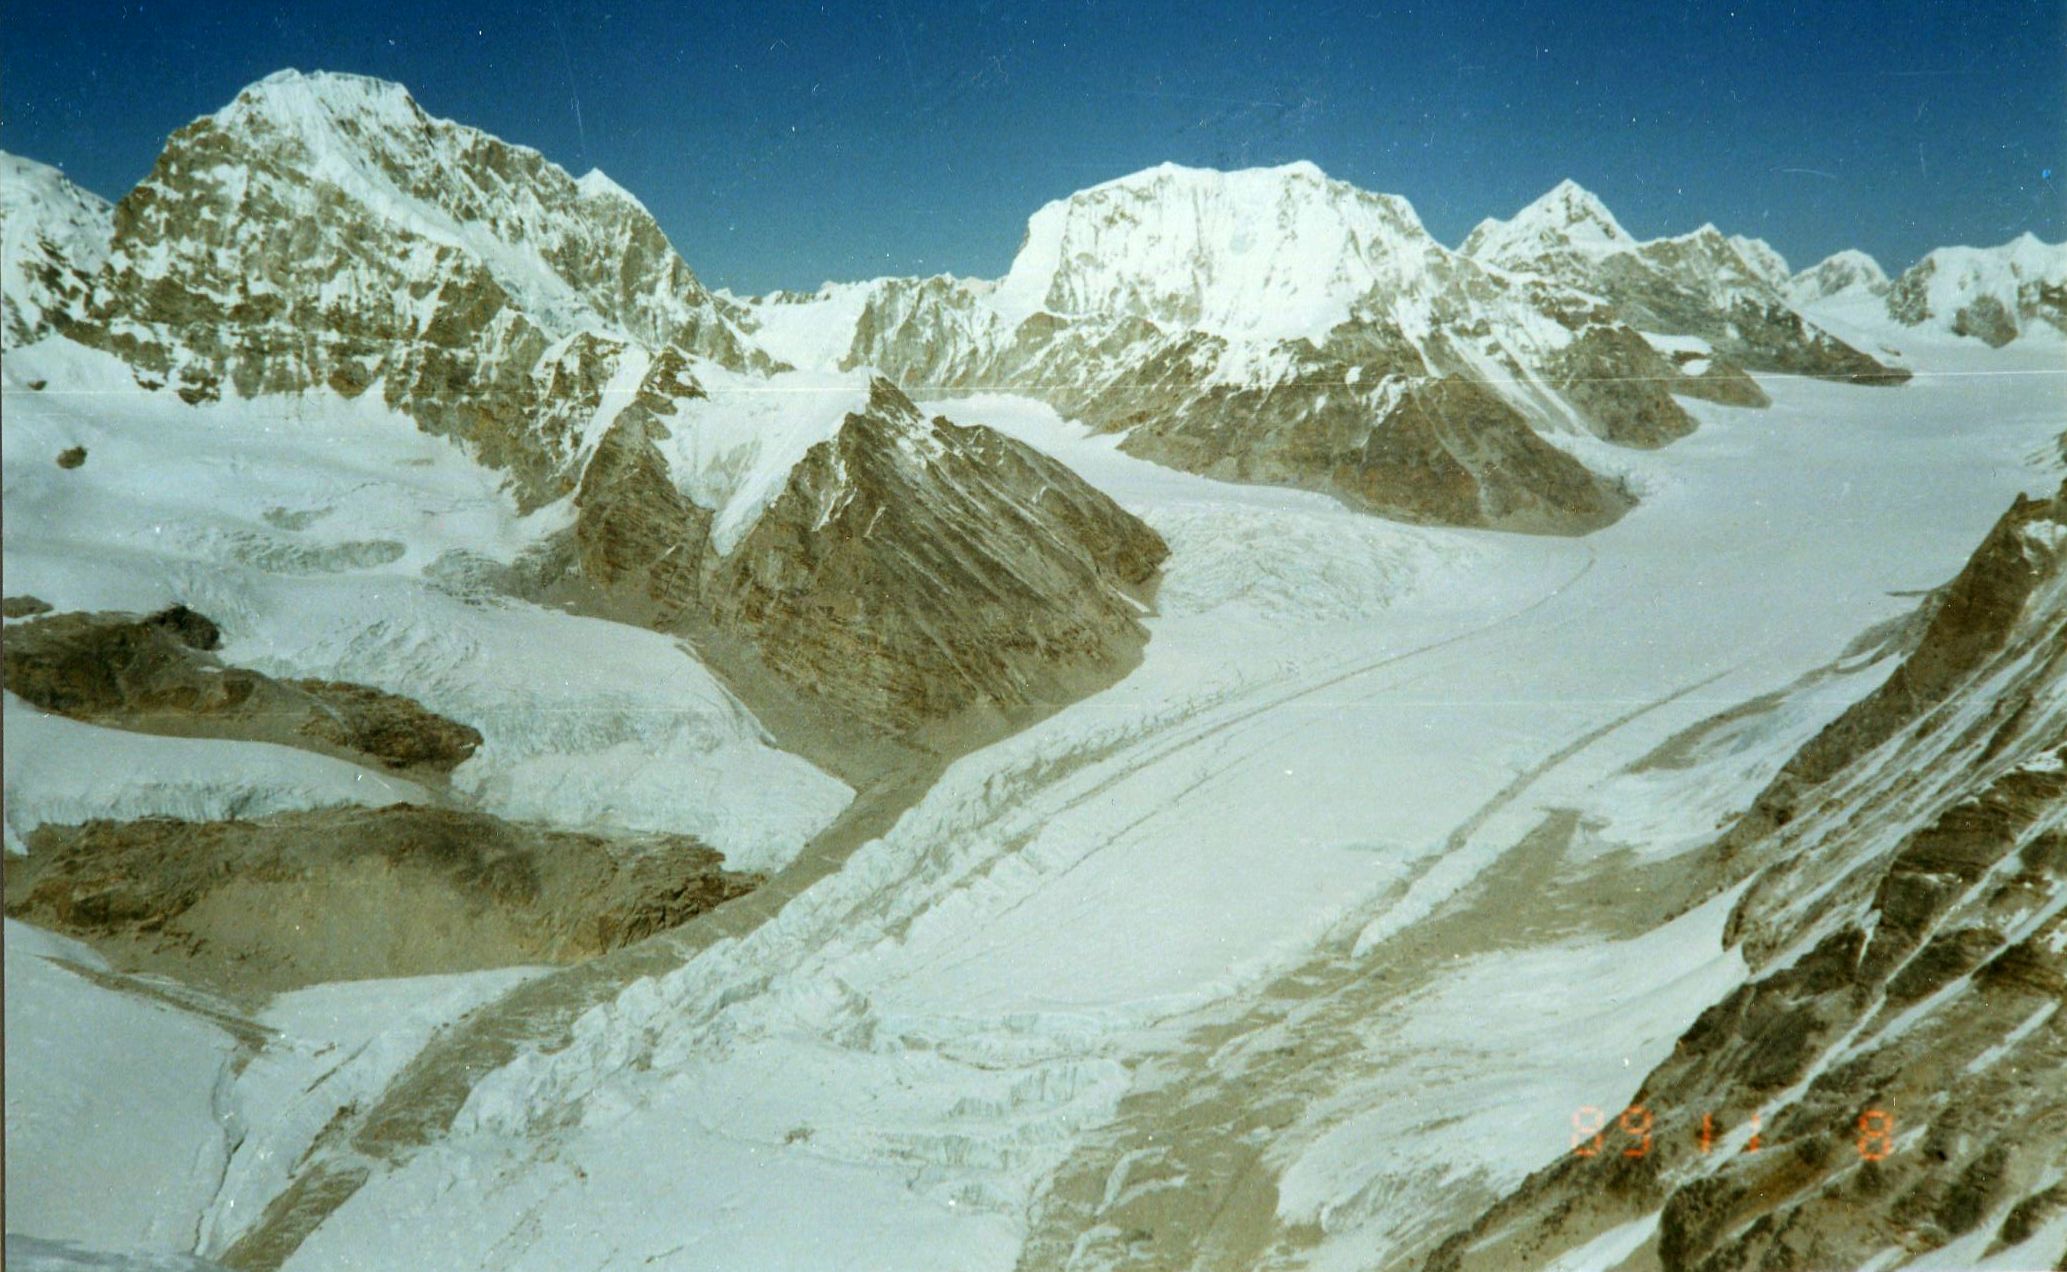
[781, 144]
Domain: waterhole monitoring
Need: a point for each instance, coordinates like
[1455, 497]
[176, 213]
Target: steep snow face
[1848, 272]
[1259, 253]
[1994, 294]
[1763, 258]
[574, 255]
[734, 450]
[53, 238]
[1568, 217]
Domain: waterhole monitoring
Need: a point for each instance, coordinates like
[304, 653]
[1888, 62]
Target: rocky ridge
[906, 571]
[1899, 1039]
[1277, 326]
[159, 674]
[273, 903]
[1728, 292]
[53, 238]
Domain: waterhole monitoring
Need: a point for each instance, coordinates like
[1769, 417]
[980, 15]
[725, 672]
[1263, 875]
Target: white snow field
[1339, 722]
[143, 1118]
[333, 538]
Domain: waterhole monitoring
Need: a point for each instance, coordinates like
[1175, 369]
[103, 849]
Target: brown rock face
[1614, 375]
[1978, 612]
[909, 572]
[914, 570]
[155, 675]
[335, 894]
[1900, 1033]
[636, 535]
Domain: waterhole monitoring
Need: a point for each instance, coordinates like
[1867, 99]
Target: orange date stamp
[1636, 1128]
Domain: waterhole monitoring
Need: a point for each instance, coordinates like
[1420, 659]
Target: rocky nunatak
[159, 674]
[272, 903]
[911, 571]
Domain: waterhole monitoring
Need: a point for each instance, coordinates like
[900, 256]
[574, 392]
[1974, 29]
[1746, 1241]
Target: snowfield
[335, 539]
[1159, 897]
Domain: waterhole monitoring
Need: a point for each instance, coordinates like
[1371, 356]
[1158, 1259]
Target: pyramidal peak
[596, 184]
[1764, 258]
[1269, 253]
[1568, 216]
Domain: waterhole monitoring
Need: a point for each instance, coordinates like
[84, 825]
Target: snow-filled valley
[1157, 899]
[1220, 748]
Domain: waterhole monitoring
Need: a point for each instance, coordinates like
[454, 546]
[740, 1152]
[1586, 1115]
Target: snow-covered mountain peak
[1992, 293]
[596, 184]
[1270, 253]
[1840, 273]
[1764, 258]
[309, 100]
[1568, 216]
[389, 190]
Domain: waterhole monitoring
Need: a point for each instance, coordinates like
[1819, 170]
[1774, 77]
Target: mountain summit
[1725, 292]
[1566, 217]
[1261, 253]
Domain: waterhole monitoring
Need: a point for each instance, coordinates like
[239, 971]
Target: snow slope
[1262, 253]
[335, 539]
[153, 1121]
[894, 1066]
[115, 1135]
[53, 237]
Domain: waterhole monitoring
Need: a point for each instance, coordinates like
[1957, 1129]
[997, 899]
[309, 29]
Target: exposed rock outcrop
[158, 675]
[300, 898]
[908, 571]
[1900, 1037]
[915, 569]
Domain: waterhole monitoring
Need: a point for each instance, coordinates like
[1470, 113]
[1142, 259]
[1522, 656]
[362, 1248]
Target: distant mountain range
[323, 234]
